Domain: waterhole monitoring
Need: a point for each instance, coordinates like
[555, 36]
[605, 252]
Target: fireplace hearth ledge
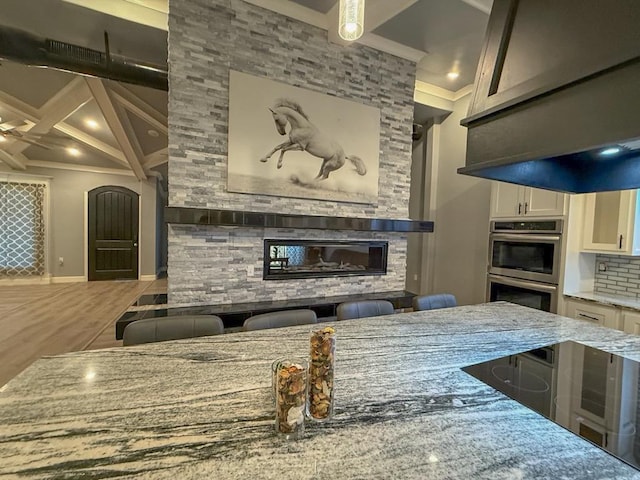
[238, 218]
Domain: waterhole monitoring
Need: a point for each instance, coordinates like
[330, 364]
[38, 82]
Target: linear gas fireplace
[287, 259]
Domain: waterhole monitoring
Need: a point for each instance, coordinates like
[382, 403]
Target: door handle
[135, 244]
[519, 209]
[526, 206]
[620, 243]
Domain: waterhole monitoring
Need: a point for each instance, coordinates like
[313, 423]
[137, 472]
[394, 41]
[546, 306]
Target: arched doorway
[113, 233]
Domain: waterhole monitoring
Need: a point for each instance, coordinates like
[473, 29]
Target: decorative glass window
[22, 228]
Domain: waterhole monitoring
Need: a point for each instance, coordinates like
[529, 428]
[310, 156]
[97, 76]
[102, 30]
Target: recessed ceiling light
[153, 133]
[453, 75]
[73, 151]
[92, 124]
[610, 151]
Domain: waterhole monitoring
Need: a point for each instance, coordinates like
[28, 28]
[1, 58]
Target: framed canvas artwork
[292, 142]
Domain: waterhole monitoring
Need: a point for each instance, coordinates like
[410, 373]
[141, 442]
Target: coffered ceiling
[55, 119]
[442, 36]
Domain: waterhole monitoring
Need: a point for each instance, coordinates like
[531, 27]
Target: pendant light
[351, 24]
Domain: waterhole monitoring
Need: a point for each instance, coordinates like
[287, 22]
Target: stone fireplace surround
[220, 264]
[232, 243]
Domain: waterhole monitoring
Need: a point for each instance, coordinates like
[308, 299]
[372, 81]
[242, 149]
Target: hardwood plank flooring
[37, 320]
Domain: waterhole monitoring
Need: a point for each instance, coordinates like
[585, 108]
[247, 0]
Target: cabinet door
[506, 200]
[608, 223]
[543, 203]
[594, 313]
[631, 322]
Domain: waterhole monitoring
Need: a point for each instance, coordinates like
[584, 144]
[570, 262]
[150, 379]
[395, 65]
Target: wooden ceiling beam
[110, 152]
[66, 101]
[156, 158]
[140, 108]
[12, 161]
[18, 107]
[119, 125]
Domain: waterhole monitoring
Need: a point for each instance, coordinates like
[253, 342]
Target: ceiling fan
[19, 131]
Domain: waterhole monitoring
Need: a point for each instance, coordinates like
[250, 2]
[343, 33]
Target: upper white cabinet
[610, 224]
[509, 200]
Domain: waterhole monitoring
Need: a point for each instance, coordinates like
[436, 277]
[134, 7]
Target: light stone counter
[615, 300]
[202, 409]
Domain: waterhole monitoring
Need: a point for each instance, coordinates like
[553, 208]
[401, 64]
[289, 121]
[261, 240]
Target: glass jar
[291, 396]
[274, 373]
[322, 349]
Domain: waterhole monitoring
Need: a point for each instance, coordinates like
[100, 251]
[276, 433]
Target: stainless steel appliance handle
[541, 287]
[523, 237]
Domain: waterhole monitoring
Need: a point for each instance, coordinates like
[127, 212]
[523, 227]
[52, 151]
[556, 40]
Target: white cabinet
[508, 201]
[607, 316]
[631, 322]
[610, 224]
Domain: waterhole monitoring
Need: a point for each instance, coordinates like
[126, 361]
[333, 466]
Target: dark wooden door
[113, 233]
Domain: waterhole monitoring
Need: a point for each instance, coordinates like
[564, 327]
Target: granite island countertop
[202, 408]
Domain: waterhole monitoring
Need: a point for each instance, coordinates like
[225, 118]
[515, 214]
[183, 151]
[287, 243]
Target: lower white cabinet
[631, 322]
[605, 315]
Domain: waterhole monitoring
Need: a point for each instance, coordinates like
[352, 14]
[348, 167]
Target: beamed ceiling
[55, 119]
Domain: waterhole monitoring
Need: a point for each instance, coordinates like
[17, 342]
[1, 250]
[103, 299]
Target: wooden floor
[37, 320]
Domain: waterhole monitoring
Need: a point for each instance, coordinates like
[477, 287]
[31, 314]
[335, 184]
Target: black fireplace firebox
[287, 259]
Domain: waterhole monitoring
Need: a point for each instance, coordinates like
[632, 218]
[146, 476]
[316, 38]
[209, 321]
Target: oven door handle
[525, 237]
[514, 282]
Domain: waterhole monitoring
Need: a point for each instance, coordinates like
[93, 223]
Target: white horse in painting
[305, 136]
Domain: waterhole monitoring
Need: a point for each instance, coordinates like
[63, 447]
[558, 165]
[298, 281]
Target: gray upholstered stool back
[431, 302]
[285, 318]
[364, 308]
[171, 328]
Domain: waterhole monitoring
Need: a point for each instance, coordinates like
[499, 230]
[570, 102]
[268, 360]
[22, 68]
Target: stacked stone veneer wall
[207, 38]
[622, 276]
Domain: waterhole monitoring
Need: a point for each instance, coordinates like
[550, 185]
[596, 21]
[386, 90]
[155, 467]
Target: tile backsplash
[621, 277]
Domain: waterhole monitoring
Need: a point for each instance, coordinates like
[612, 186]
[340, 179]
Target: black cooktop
[590, 392]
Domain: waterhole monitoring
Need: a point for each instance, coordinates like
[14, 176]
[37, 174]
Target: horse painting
[305, 136]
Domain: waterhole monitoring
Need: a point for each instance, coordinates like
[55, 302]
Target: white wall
[461, 236]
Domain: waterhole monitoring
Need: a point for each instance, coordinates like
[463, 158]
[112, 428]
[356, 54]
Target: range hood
[571, 124]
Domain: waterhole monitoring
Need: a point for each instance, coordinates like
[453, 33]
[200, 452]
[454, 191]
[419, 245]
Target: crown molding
[78, 167]
[442, 93]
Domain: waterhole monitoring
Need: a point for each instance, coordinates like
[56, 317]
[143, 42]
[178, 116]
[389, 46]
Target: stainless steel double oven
[524, 263]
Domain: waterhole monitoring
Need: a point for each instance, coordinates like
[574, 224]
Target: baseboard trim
[147, 278]
[76, 279]
[44, 280]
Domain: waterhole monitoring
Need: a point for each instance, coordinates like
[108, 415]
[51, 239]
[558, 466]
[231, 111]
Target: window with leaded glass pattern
[22, 228]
